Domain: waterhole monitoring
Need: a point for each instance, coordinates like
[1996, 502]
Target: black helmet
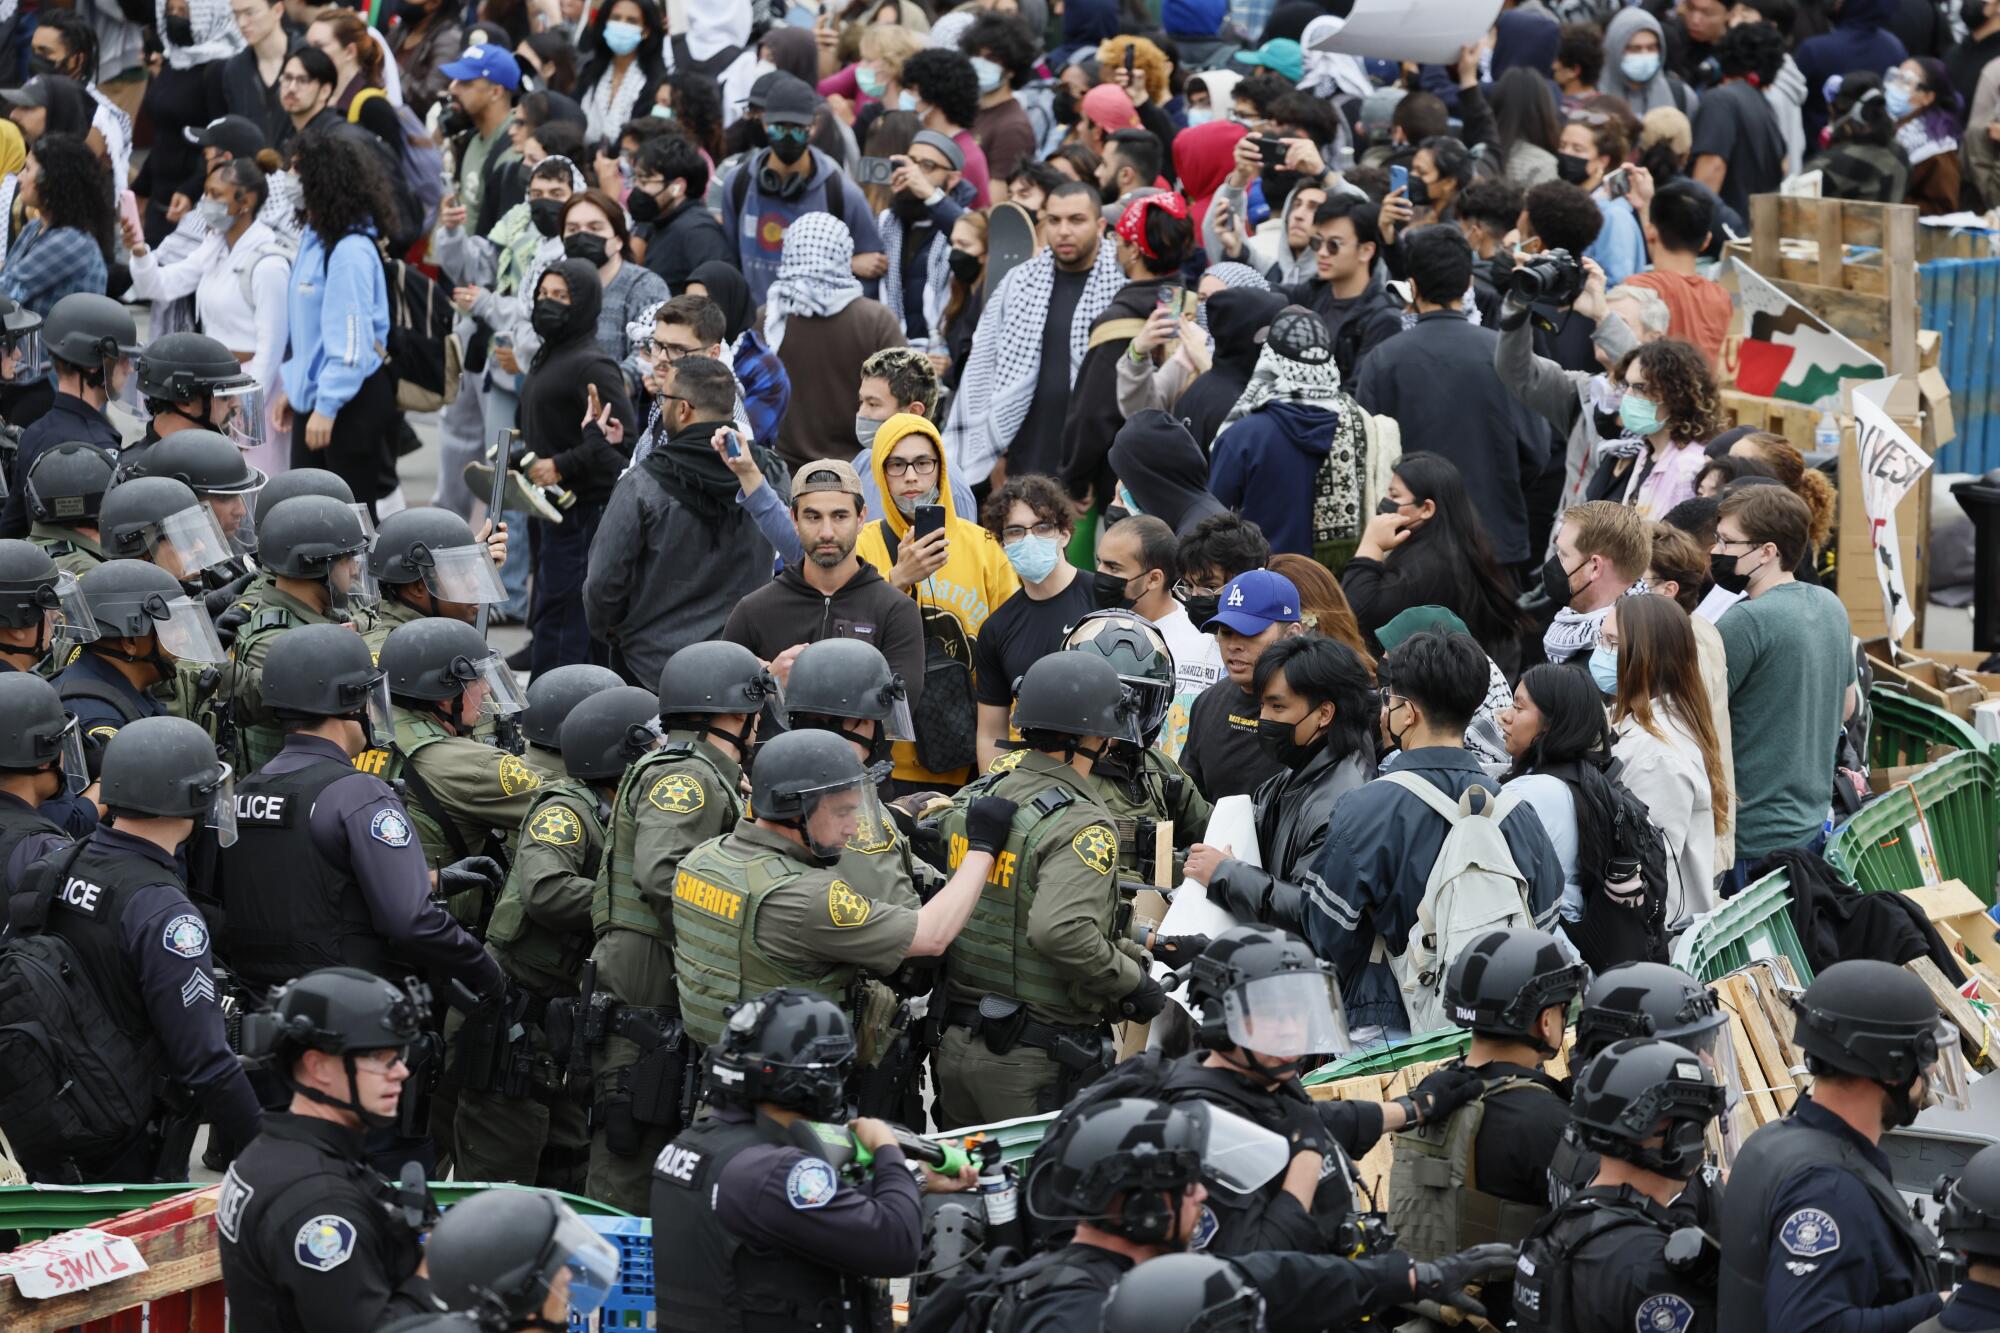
[608, 733]
[1872, 1020]
[1263, 990]
[1646, 1000]
[208, 462]
[795, 771]
[404, 542]
[1066, 695]
[301, 481]
[139, 517]
[1185, 1293]
[1502, 981]
[1140, 654]
[166, 767]
[20, 333]
[302, 537]
[343, 1011]
[131, 599]
[715, 677]
[1634, 1090]
[497, 1254]
[438, 658]
[1122, 1164]
[85, 330]
[179, 366]
[321, 671]
[35, 731]
[28, 580]
[553, 694]
[1970, 1222]
[846, 678]
[789, 1047]
[66, 484]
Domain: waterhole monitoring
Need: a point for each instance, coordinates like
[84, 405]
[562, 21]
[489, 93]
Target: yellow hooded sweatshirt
[955, 601]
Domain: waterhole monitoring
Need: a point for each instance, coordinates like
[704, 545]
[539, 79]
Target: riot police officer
[117, 897]
[90, 340]
[519, 1259]
[36, 598]
[1276, 1290]
[1969, 1227]
[1614, 1256]
[190, 381]
[675, 798]
[285, 486]
[162, 520]
[146, 625]
[25, 391]
[358, 891]
[771, 1227]
[65, 489]
[515, 1119]
[1815, 1234]
[1044, 965]
[429, 563]
[211, 466]
[41, 760]
[313, 1239]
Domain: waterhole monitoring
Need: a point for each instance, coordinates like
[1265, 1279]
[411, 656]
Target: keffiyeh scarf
[215, 34]
[1232, 275]
[1340, 483]
[1923, 137]
[937, 271]
[1573, 631]
[815, 274]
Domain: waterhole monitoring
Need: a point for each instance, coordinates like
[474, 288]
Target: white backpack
[1474, 887]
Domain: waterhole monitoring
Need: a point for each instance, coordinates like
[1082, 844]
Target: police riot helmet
[436, 548]
[498, 1254]
[552, 695]
[31, 589]
[207, 461]
[609, 732]
[1263, 990]
[21, 336]
[436, 659]
[161, 519]
[1970, 1222]
[789, 1047]
[1139, 652]
[308, 536]
[846, 679]
[1188, 1293]
[1647, 1000]
[1064, 696]
[35, 730]
[1870, 1019]
[84, 330]
[66, 484]
[301, 481]
[1501, 982]
[796, 773]
[165, 768]
[130, 599]
[322, 671]
[177, 367]
[342, 1011]
[1641, 1088]
[717, 679]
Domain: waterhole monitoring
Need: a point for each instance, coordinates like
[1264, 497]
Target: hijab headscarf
[1089, 22]
[1330, 73]
[215, 34]
[1205, 155]
[727, 287]
[1524, 40]
[815, 274]
[1642, 97]
[586, 300]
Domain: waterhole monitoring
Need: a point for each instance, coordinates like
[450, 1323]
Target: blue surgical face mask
[864, 431]
[868, 81]
[1033, 558]
[1640, 66]
[906, 100]
[1604, 669]
[988, 74]
[1639, 415]
[1896, 96]
[1200, 115]
[623, 38]
[663, 112]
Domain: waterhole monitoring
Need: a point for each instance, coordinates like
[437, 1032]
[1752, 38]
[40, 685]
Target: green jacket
[540, 932]
[70, 549]
[259, 737]
[671, 801]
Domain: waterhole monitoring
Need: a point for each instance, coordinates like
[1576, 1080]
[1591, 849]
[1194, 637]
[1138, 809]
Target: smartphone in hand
[1399, 179]
[732, 444]
[928, 519]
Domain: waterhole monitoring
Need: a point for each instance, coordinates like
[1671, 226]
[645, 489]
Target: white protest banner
[1891, 463]
[71, 1262]
[1429, 32]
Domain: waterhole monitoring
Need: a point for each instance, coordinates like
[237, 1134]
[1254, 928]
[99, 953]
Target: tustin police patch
[1663, 1314]
[1809, 1233]
[1096, 848]
[811, 1184]
[390, 828]
[844, 905]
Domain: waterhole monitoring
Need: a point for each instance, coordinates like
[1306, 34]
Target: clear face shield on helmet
[490, 682]
[464, 574]
[1717, 1054]
[1287, 1016]
[1238, 1155]
[1947, 1084]
[590, 1260]
[75, 767]
[222, 806]
[236, 514]
[66, 614]
[21, 357]
[242, 416]
[351, 586]
[367, 521]
[898, 725]
[184, 630]
[832, 817]
[188, 541]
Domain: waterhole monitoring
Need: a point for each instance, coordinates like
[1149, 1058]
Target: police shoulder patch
[557, 825]
[811, 1184]
[516, 777]
[1662, 1314]
[101, 734]
[390, 827]
[677, 794]
[186, 936]
[1810, 1232]
[324, 1243]
[845, 906]
[1006, 762]
[1096, 847]
[1205, 1228]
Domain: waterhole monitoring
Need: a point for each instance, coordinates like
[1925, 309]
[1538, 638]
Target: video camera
[1554, 278]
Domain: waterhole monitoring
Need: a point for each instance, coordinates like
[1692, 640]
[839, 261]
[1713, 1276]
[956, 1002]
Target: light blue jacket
[339, 319]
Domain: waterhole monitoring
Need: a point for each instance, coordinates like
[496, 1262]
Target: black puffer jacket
[1293, 810]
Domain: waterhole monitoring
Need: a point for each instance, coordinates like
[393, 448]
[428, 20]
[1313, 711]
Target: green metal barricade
[1902, 730]
[1753, 926]
[1445, 1044]
[1938, 825]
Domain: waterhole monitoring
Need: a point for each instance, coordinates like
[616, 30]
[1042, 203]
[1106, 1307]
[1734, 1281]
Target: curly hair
[1788, 465]
[1044, 495]
[1754, 50]
[945, 80]
[74, 188]
[909, 374]
[698, 110]
[1005, 40]
[1147, 59]
[343, 184]
[1679, 380]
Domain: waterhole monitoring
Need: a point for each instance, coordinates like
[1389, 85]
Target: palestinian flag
[1789, 352]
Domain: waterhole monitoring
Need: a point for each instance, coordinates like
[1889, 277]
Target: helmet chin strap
[353, 1103]
[1252, 1063]
[1903, 1107]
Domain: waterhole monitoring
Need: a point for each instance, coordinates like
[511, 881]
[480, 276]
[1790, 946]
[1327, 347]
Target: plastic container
[1754, 925]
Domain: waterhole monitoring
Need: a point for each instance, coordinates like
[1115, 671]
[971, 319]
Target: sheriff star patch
[1096, 848]
[811, 1184]
[325, 1243]
[1809, 1233]
[390, 828]
[844, 905]
[872, 837]
[1007, 762]
[516, 777]
[556, 825]
[185, 936]
[677, 794]
[1662, 1314]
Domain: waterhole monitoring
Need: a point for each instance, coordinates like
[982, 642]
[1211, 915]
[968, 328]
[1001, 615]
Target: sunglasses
[795, 133]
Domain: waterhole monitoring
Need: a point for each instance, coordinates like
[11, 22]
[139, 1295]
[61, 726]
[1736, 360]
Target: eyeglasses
[296, 80]
[924, 467]
[930, 167]
[667, 352]
[649, 183]
[1014, 532]
[1183, 590]
[1332, 245]
[1722, 541]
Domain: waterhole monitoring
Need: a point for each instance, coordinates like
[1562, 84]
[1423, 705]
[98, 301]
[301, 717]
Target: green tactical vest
[258, 735]
[389, 614]
[616, 904]
[547, 959]
[719, 889]
[992, 956]
[413, 733]
[73, 552]
[1436, 1207]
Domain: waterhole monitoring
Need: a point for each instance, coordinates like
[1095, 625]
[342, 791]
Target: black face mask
[788, 150]
[1571, 168]
[1555, 580]
[1387, 506]
[546, 215]
[587, 246]
[755, 133]
[1722, 568]
[642, 206]
[41, 64]
[1419, 192]
[549, 318]
[1280, 744]
[1202, 608]
[965, 266]
[180, 30]
[1108, 590]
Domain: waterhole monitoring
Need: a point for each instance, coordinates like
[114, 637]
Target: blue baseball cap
[489, 61]
[1255, 601]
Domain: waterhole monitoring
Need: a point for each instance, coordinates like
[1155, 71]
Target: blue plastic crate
[630, 1304]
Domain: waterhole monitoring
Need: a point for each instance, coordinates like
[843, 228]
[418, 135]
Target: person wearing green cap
[1281, 55]
[1483, 736]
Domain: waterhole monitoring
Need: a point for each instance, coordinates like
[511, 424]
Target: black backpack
[423, 352]
[1634, 835]
[77, 1086]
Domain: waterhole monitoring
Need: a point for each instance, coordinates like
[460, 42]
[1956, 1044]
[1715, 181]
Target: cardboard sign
[1429, 32]
[71, 1262]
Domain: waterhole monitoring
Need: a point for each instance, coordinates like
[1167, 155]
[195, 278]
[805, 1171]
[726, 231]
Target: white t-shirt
[1197, 665]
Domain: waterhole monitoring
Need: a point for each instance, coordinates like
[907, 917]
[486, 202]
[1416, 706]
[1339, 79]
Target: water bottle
[1826, 435]
[1001, 1196]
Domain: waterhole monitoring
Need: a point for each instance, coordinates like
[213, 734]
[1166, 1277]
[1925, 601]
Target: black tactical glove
[987, 822]
[480, 873]
[1442, 1092]
[1178, 950]
[1444, 1281]
[1144, 1002]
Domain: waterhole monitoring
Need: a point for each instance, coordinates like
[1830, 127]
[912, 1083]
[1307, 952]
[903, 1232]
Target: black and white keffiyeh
[1340, 485]
[937, 271]
[215, 33]
[815, 274]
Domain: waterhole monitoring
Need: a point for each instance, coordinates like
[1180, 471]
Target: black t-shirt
[1735, 123]
[917, 238]
[1222, 755]
[1518, 1135]
[1022, 632]
[1037, 446]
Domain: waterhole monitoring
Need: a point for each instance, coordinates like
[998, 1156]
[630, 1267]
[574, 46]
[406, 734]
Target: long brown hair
[1322, 604]
[1788, 465]
[1658, 661]
[962, 292]
[349, 29]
